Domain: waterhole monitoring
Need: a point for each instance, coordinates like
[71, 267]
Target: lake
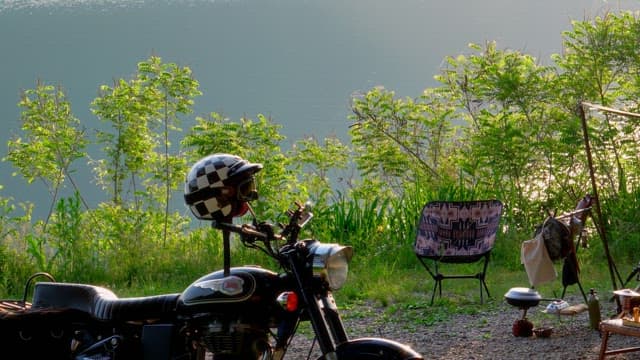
[297, 61]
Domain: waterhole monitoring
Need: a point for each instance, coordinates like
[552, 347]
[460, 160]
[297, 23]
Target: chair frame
[615, 326]
[438, 277]
[441, 256]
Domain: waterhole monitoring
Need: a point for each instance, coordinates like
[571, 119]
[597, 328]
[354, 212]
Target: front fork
[321, 308]
[325, 320]
[332, 319]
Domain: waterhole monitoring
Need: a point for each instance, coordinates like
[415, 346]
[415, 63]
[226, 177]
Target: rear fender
[376, 348]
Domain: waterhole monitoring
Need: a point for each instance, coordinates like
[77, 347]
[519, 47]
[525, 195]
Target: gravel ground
[484, 335]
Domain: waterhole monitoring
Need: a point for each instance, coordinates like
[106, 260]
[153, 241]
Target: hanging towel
[536, 260]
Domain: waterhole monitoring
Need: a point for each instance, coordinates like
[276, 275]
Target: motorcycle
[246, 312]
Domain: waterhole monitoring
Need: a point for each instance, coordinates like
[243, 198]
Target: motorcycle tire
[375, 349]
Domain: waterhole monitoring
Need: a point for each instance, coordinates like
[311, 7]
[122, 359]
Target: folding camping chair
[622, 324]
[457, 232]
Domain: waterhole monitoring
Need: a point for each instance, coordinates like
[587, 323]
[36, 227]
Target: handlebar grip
[253, 232]
[226, 226]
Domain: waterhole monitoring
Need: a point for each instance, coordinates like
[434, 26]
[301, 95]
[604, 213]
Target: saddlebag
[31, 334]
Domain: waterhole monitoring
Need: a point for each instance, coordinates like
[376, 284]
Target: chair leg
[481, 277]
[435, 287]
[603, 345]
[486, 289]
[437, 278]
[483, 284]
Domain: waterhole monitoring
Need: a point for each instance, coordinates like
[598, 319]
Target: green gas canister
[594, 309]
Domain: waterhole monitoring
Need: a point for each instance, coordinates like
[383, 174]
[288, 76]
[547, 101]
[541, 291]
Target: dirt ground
[485, 335]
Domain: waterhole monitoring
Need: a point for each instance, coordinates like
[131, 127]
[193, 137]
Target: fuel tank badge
[230, 285]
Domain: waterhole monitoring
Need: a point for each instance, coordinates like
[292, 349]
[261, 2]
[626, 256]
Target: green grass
[396, 285]
[410, 290]
[385, 285]
[402, 294]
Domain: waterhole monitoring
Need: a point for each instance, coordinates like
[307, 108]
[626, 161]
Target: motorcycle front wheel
[375, 349]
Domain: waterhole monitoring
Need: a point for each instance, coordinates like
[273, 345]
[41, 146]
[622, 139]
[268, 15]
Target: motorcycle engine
[234, 338]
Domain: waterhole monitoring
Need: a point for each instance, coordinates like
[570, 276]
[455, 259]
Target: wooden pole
[611, 110]
[599, 223]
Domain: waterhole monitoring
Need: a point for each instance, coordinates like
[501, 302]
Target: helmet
[219, 186]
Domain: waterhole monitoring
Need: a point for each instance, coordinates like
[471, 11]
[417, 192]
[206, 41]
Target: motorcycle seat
[102, 303]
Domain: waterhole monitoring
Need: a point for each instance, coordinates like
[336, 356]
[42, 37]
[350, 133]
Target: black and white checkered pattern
[206, 177]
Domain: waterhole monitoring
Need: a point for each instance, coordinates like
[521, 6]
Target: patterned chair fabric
[460, 231]
[457, 232]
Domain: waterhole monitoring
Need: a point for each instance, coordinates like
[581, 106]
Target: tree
[401, 141]
[506, 101]
[52, 141]
[137, 109]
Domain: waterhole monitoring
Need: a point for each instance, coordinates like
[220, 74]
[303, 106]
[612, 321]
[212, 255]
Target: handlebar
[264, 231]
[244, 229]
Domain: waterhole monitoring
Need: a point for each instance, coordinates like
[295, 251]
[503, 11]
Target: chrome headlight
[331, 262]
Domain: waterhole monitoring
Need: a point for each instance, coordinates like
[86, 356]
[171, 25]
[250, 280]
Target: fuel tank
[245, 286]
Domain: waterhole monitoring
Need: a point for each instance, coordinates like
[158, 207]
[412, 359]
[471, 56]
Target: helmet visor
[247, 190]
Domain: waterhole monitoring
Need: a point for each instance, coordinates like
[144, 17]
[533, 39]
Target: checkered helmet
[219, 186]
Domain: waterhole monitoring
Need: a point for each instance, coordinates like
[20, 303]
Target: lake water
[297, 61]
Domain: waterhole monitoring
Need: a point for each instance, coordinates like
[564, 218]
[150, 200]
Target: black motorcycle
[236, 313]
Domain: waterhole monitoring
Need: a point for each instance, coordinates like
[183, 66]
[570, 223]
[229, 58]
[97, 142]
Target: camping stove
[523, 298]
